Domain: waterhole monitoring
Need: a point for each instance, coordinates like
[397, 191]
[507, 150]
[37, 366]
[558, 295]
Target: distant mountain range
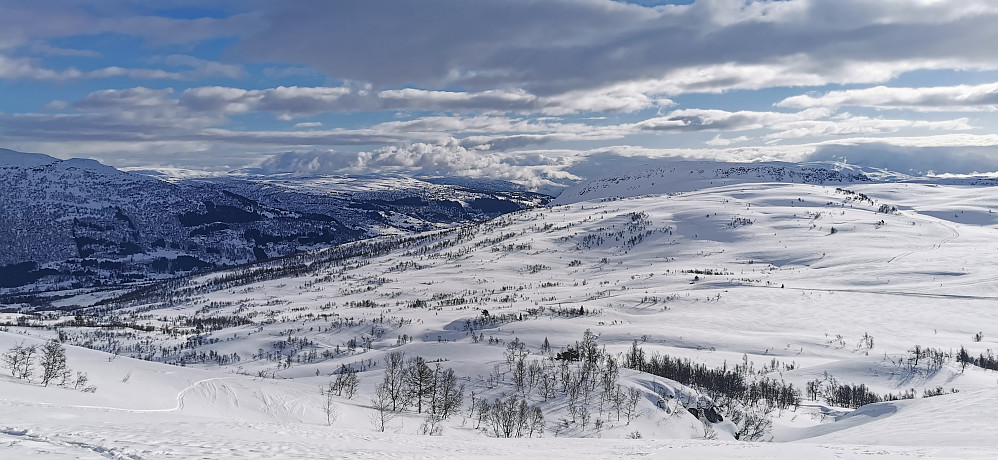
[688, 175]
[78, 223]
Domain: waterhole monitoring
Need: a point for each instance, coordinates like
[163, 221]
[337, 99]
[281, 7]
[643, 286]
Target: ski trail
[178, 406]
[106, 452]
[955, 234]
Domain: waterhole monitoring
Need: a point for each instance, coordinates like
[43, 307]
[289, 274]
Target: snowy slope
[685, 176]
[171, 412]
[801, 282]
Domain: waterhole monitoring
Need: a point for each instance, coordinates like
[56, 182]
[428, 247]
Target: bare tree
[630, 409]
[448, 395]
[383, 407]
[520, 376]
[81, 383]
[502, 417]
[20, 360]
[709, 432]
[512, 417]
[54, 363]
[348, 381]
[328, 406]
[420, 382]
[394, 383]
[754, 422]
[536, 424]
[431, 426]
[515, 350]
[484, 412]
[548, 386]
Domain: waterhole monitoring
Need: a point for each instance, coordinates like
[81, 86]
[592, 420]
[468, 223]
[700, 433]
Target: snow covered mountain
[78, 223]
[837, 317]
[686, 176]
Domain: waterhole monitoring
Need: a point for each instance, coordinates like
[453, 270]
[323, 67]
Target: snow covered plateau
[690, 310]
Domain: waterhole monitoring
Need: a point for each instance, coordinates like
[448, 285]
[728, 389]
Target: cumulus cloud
[471, 86]
[420, 159]
[563, 45]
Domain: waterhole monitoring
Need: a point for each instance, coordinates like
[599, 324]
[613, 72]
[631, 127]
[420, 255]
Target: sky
[542, 93]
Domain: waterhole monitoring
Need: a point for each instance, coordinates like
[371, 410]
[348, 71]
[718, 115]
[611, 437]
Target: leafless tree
[630, 409]
[20, 360]
[394, 383]
[328, 406]
[448, 395]
[419, 381]
[54, 367]
[383, 408]
[346, 382]
[754, 422]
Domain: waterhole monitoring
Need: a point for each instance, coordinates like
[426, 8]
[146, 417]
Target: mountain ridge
[80, 223]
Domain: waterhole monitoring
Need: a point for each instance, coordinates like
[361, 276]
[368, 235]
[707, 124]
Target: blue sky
[541, 93]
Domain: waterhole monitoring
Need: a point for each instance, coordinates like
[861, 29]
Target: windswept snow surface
[800, 280]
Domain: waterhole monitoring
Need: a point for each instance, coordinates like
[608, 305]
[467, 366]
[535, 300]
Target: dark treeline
[985, 361]
[722, 381]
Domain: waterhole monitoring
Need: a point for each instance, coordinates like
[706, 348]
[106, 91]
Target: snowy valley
[81, 224]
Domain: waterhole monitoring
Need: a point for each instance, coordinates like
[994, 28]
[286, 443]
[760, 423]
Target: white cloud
[419, 159]
[937, 98]
[16, 68]
[849, 125]
[566, 45]
[201, 68]
[718, 141]
[721, 120]
[289, 101]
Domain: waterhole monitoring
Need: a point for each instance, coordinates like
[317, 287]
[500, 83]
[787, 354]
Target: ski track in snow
[938, 245]
[57, 441]
[179, 405]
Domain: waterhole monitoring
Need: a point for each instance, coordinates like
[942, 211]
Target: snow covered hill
[826, 316]
[687, 176]
[79, 224]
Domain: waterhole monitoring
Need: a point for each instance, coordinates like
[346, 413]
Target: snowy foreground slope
[826, 283]
[187, 413]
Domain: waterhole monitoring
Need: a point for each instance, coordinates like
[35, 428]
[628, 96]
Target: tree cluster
[510, 417]
[22, 361]
[983, 360]
[412, 383]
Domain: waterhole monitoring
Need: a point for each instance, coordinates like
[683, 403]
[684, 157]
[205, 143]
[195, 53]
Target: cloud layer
[536, 92]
